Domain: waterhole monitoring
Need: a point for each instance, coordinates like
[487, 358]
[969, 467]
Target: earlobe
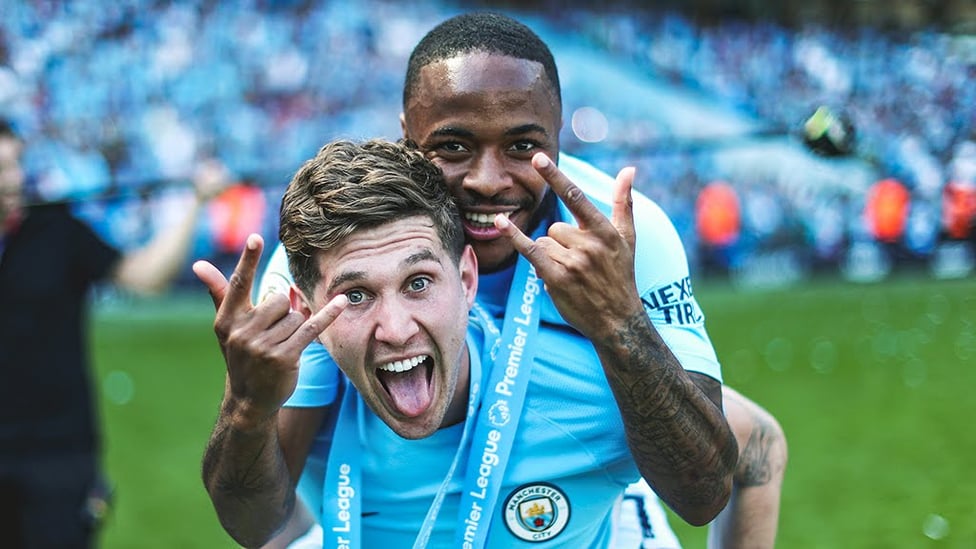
[403, 125]
[298, 302]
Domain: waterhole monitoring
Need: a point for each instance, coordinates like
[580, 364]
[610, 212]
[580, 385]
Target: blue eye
[419, 284]
[355, 296]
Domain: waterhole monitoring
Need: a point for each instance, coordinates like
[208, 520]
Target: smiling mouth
[479, 220]
[408, 384]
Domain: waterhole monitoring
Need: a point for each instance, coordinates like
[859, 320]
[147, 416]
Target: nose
[488, 175]
[395, 322]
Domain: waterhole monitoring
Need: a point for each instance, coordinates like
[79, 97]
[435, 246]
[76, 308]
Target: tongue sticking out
[410, 392]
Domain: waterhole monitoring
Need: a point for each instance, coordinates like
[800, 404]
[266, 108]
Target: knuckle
[309, 328]
[239, 281]
[573, 194]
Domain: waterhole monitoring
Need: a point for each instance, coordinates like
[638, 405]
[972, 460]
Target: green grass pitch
[872, 383]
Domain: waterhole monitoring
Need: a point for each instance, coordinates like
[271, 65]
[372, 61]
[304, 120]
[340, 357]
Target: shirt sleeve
[664, 283]
[318, 379]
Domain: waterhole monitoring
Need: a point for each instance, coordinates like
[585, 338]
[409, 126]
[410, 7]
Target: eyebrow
[353, 276]
[449, 131]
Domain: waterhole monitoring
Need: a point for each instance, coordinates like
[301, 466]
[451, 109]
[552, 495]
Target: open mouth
[408, 384]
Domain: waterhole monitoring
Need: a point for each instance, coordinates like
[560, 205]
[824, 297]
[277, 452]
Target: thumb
[213, 279]
[622, 216]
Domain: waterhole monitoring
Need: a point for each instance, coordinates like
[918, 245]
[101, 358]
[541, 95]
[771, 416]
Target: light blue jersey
[570, 452]
[569, 460]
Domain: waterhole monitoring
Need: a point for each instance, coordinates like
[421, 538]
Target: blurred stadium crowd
[910, 96]
[121, 98]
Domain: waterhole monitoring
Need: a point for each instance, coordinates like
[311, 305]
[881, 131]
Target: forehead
[383, 252]
[484, 83]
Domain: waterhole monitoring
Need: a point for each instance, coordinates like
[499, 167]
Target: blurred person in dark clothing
[51, 492]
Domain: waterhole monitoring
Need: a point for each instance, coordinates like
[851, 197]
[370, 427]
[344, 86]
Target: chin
[411, 431]
[495, 256]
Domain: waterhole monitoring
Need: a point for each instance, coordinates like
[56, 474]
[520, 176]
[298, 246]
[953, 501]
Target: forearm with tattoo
[759, 462]
[247, 479]
[678, 436]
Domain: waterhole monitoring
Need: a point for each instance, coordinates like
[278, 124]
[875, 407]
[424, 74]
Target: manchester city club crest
[536, 512]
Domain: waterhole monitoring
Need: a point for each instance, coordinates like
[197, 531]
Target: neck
[458, 409]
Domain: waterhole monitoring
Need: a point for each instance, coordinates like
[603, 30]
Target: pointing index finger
[583, 210]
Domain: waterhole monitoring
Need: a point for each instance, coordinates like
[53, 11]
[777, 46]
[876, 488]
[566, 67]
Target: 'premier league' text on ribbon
[345, 495]
[503, 391]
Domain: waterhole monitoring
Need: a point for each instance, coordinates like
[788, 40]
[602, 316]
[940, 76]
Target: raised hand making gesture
[672, 417]
[261, 345]
[588, 269]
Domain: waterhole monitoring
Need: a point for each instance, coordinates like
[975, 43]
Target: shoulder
[658, 243]
[53, 212]
[58, 219]
[275, 278]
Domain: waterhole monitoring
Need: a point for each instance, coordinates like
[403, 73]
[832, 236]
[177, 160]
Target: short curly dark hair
[349, 186]
[480, 32]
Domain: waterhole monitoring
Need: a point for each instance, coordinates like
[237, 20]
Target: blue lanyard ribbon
[342, 505]
[342, 497]
[501, 409]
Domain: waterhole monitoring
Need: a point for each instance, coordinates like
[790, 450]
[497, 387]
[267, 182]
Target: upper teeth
[483, 217]
[403, 365]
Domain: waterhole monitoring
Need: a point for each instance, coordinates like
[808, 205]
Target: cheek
[533, 183]
[454, 173]
[342, 342]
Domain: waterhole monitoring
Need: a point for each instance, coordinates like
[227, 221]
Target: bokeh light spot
[590, 125]
[966, 344]
[823, 356]
[935, 527]
[779, 354]
[118, 387]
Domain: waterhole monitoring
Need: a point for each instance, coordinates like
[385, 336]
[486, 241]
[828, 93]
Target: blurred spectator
[718, 219]
[886, 210]
[50, 489]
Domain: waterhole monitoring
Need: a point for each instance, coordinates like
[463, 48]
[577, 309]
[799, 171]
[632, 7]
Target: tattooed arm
[250, 469]
[245, 473]
[677, 433]
[675, 428]
[251, 466]
[752, 515]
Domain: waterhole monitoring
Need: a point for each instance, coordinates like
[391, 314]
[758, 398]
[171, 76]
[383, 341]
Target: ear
[403, 125]
[298, 301]
[468, 268]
